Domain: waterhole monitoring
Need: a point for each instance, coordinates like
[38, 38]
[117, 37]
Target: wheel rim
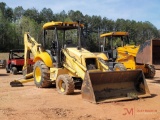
[38, 74]
[61, 85]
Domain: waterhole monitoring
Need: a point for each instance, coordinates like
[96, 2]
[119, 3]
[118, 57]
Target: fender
[45, 57]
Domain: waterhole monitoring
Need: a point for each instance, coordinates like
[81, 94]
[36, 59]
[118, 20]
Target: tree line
[15, 21]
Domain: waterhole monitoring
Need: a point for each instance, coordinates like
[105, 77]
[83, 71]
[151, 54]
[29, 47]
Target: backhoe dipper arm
[30, 46]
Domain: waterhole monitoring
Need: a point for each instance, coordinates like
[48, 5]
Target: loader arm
[124, 55]
[129, 50]
[78, 67]
[74, 66]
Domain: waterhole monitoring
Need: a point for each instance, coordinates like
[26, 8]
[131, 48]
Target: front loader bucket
[111, 86]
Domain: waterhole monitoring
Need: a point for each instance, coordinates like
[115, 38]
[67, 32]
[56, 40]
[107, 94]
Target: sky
[138, 10]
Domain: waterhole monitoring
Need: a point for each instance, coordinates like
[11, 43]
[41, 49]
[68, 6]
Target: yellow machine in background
[116, 47]
[65, 63]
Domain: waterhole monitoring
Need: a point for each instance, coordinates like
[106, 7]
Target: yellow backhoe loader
[116, 46]
[65, 63]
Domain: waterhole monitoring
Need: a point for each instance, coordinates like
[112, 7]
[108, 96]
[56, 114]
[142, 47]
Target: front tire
[65, 84]
[119, 67]
[41, 75]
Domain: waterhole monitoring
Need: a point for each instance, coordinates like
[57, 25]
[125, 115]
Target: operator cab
[59, 35]
[110, 43]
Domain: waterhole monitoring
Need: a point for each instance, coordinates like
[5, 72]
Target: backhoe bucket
[111, 86]
[25, 79]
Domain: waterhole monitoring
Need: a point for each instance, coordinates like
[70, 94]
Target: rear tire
[119, 67]
[14, 71]
[151, 71]
[65, 84]
[41, 75]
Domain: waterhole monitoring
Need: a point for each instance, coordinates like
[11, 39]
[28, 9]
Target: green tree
[76, 15]
[3, 8]
[32, 14]
[9, 14]
[18, 12]
[46, 15]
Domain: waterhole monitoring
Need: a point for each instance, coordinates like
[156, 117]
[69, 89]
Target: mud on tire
[119, 67]
[65, 84]
[151, 71]
[41, 75]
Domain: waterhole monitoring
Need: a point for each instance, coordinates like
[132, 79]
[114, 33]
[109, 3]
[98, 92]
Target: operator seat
[111, 54]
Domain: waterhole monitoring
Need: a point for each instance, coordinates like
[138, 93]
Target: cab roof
[61, 25]
[114, 34]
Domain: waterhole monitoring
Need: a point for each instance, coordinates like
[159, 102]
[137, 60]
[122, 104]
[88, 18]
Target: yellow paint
[113, 33]
[127, 53]
[37, 74]
[52, 25]
[45, 57]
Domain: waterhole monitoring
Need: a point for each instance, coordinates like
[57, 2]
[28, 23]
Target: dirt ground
[31, 103]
